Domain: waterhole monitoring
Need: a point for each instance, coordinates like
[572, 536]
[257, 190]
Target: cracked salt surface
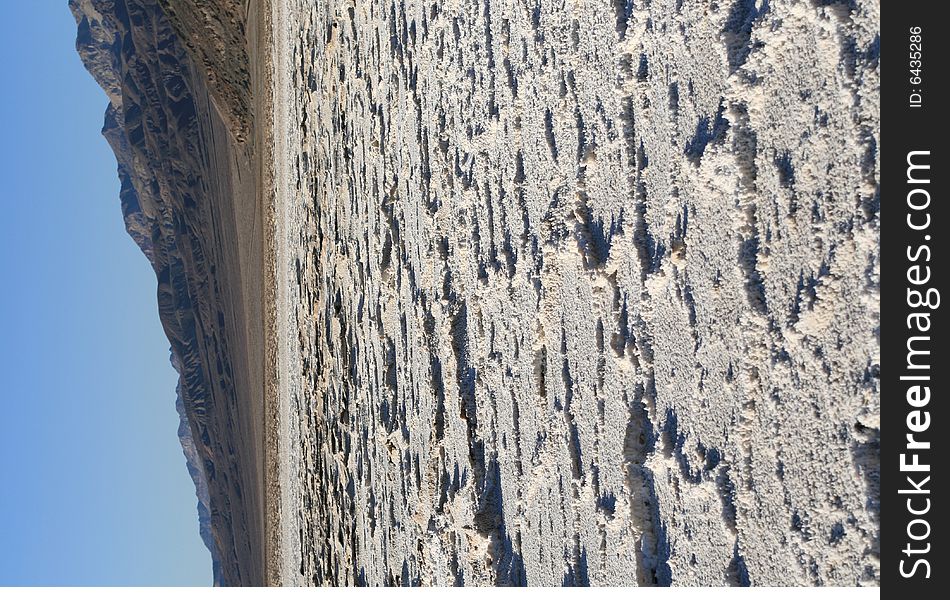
[577, 293]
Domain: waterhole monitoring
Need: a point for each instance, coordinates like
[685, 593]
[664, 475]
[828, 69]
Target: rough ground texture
[215, 34]
[189, 202]
[577, 292]
[556, 292]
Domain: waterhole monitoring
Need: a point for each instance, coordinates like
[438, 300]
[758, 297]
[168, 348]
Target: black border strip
[913, 237]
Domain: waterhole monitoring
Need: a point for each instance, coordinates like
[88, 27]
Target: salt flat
[574, 293]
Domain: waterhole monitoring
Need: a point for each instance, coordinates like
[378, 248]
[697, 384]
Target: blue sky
[93, 485]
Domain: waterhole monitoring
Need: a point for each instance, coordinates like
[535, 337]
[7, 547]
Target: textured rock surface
[215, 33]
[189, 201]
[577, 292]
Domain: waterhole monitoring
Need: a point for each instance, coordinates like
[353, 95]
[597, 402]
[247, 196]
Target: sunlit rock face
[176, 153]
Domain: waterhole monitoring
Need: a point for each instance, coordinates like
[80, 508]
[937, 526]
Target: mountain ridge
[178, 141]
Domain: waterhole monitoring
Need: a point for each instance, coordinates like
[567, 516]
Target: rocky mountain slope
[189, 201]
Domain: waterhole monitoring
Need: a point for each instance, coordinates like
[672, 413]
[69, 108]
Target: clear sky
[93, 484]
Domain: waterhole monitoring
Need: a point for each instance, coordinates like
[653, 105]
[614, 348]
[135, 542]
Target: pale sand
[276, 135]
[528, 323]
[262, 45]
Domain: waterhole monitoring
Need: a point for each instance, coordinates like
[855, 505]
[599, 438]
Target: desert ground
[513, 292]
[575, 293]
